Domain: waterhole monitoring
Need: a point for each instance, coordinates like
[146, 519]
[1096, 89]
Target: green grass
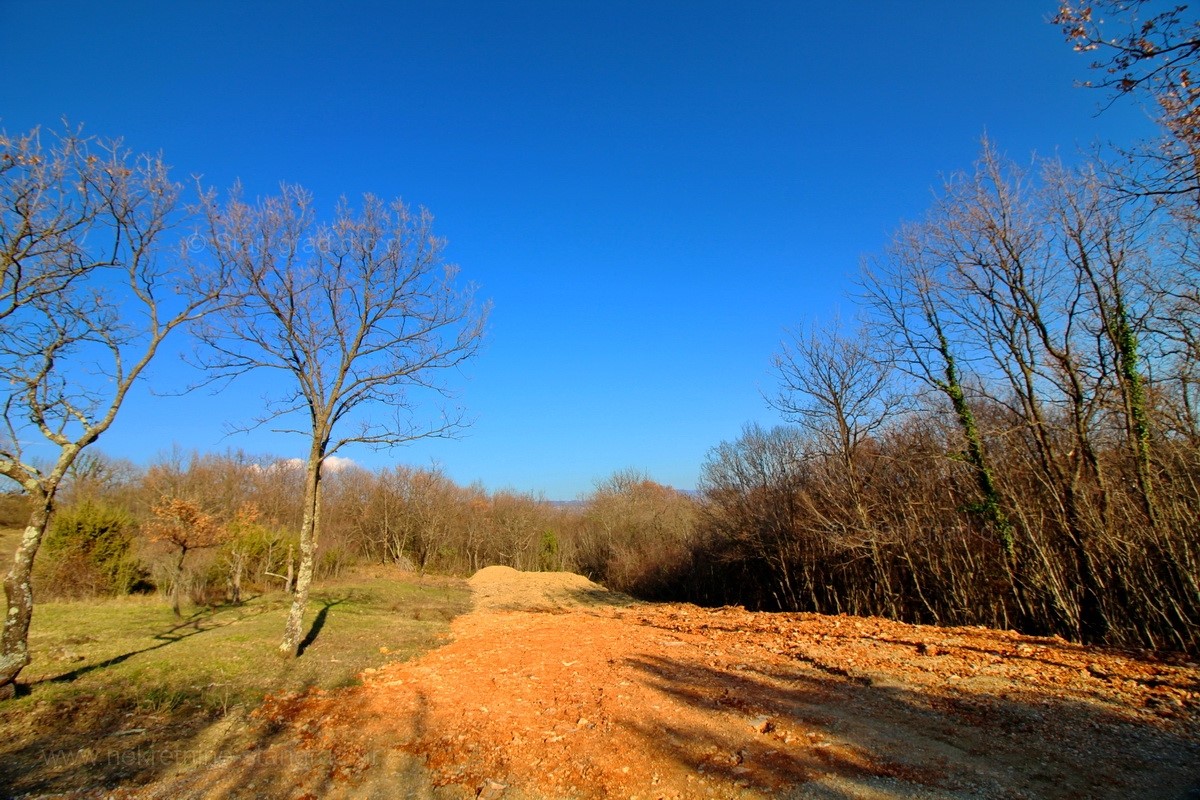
[213, 654]
[104, 667]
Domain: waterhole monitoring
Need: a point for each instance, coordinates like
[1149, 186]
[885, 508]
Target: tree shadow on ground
[798, 732]
[198, 622]
[318, 623]
[110, 740]
[279, 752]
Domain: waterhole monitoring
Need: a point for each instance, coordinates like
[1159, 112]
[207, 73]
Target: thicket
[1011, 439]
[90, 551]
[214, 528]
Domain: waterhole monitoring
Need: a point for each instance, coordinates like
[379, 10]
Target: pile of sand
[506, 589]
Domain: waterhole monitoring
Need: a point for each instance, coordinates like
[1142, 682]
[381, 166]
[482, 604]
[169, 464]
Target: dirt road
[553, 688]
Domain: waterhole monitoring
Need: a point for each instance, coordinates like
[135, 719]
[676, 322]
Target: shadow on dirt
[805, 733]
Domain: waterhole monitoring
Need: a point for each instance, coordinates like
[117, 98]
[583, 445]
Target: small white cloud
[332, 464]
[337, 463]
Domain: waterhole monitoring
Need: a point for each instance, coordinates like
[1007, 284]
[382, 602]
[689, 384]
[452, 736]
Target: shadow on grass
[318, 623]
[199, 622]
[92, 738]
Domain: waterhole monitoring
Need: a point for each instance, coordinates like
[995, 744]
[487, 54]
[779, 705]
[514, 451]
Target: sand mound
[506, 589]
[494, 574]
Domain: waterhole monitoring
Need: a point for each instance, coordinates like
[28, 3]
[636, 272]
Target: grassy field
[120, 688]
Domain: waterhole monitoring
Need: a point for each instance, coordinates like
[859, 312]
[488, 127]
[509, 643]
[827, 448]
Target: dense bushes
[90, 550]
[636, 536]
[1011, 441]
[212, 528]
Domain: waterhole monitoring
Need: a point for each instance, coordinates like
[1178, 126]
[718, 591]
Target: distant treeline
[1008, 436]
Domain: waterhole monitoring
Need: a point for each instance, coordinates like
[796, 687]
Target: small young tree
[184, 527]
[354, 315]
[89, 293]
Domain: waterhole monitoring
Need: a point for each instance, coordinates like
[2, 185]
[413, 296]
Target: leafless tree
[1150, 51]
[1044, 288]
[353, 316]
[52, 198]
[838, 389]
[91, 290]
[754, 503]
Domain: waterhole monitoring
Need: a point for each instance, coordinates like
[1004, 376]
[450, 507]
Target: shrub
[89, 550]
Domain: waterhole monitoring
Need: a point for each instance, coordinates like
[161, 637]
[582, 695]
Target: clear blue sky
[650, 192]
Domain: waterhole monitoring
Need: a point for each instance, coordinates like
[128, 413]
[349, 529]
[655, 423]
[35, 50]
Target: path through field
[554, 688]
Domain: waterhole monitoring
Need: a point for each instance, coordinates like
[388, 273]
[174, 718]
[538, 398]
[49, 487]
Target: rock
[762, 724]
[492, 790]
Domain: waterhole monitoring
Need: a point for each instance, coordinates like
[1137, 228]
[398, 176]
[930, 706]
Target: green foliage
[89, 550]
[258, 549]
[548, 555]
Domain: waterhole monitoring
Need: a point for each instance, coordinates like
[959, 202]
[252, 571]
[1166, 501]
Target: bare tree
[1034, 279]
[837, 389]
[52, 199]
[908, 292]
[754, 490]
[91, 290]
[353, 315]
[1148, 51]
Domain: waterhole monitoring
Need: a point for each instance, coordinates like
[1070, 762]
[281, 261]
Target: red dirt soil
[554, 688]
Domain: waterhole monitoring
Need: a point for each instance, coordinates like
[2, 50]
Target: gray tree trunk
[18, 589]
[293, 629]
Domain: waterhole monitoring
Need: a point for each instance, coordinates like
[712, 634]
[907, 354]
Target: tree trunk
[1136, 403]
[292, 632]
[290, 580]
[976, 456]
[18, 589]
[1093, 624]
[177, 583]
[235, 582]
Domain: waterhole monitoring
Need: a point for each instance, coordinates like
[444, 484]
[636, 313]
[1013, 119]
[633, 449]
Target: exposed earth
[553, 687]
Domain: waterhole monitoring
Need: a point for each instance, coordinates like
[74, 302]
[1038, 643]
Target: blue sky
[649, 192]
